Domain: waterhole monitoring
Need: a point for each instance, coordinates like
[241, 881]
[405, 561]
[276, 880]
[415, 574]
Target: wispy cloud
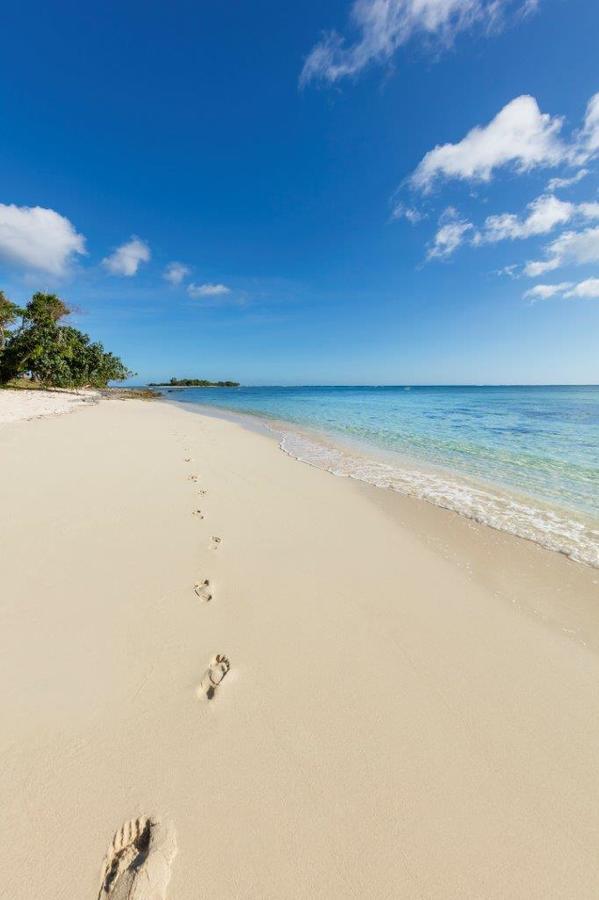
[207, 290]
[176, 272]
[546, 291]
[410, 213]
[588, 139]
[382, 26]
[544, 214]
[450, 235]
[588, 289]
[575, 247]
[127, 258]
[584, 290]
[33, 237]
[556, 184]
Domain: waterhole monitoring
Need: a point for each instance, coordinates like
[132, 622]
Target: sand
[23, 404]
[411, 708]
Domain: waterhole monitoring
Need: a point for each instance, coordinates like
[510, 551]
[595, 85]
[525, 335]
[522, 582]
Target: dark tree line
[193, 382]
[44, 349]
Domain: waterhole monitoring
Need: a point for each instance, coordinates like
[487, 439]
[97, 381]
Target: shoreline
[492, 505]
[411, 708]
[553, 598]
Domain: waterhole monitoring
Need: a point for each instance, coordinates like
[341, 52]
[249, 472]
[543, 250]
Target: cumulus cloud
[575, 247]
[127, 258]
[382, 26]
[451, 234]
[520, 135]
[207, 290]
[175, 272]
[37, 238]
[545, 291]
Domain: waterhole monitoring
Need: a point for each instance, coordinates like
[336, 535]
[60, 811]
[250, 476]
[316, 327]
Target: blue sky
[370, 192]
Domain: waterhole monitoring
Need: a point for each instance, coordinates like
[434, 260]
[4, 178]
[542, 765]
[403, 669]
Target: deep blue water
[494, 453]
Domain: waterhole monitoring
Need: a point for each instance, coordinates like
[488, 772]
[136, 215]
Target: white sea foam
[554, 529]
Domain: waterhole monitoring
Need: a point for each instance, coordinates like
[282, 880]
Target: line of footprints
[219, 665]
[143, 849]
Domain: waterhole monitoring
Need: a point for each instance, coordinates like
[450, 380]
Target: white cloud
[38, 238]
[207, 290]
[450, 235]
[383, 26]
[175, 272]
[545, 291]
[520, 135]
[586, 289]
[555, 184]
[410, 213]
[588, 210]
[127, 258]
[537, 267]
[588, 138]
[545, 213]
[529, 7]
[510, 271]
[577, 247]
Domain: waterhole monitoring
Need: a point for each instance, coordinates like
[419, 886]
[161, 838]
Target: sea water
[521, 459]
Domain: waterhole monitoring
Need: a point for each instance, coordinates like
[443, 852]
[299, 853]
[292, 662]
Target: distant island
[193, 382]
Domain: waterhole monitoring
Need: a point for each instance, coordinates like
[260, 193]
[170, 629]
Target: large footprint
[217, 669]
[137, 865]
[203, 590]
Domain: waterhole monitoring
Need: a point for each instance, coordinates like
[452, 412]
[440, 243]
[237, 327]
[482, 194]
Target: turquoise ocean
[520, 459]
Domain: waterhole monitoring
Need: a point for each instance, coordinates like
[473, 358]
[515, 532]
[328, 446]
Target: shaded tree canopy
[52, 353]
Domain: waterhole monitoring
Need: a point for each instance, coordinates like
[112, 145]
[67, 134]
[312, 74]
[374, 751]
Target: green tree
[9, 313]
[45, 310]
[54, 354]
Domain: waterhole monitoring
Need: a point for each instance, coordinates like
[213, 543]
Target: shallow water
[522, 459]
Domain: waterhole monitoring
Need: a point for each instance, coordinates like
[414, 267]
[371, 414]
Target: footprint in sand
[138, 862]
[202, 492]
[198, 513]
[213, 676]
[192, 477]
[188, 459]
[215, 542]
[203, 590]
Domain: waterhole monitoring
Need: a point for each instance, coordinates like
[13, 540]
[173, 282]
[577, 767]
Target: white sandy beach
[24, 404]
[412, 708]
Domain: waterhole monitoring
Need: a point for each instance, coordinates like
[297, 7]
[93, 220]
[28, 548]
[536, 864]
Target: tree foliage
[9, 313]
[193, 382]
[54, 354]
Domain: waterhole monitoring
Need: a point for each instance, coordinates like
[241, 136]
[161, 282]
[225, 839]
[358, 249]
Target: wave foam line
[549, 528]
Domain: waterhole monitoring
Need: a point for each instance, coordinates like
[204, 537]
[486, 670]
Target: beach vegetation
[9, 313]
[51, 353]
[193, 382]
